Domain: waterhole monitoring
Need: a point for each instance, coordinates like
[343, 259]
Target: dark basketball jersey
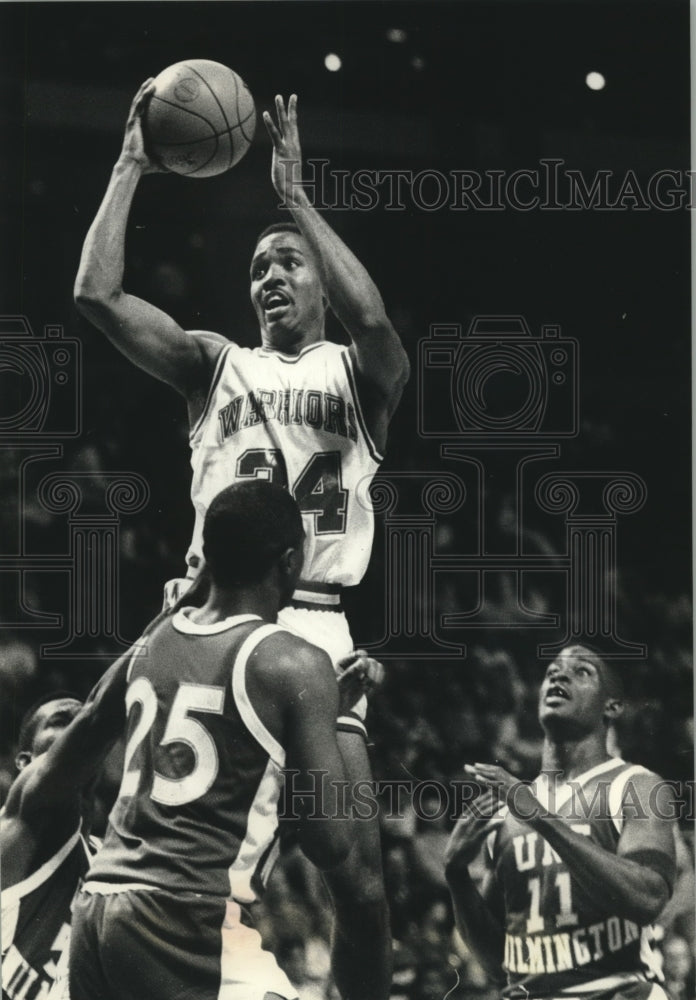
[556, 938]
[36, 923]
[197, 808]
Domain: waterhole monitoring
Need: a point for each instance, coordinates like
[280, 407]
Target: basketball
[200, 120]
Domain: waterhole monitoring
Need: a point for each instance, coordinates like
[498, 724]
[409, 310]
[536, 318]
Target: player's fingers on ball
[141, 105]
[145, 90]
[132, 111]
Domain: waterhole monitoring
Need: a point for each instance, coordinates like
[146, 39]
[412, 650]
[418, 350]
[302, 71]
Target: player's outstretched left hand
[515, 794]
[360, 674]
[286, 167]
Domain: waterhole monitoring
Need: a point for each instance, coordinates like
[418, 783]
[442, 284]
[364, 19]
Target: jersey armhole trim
[217, 373]
[241, 697]
[138, 651]
[490, 845]
[492, 837]
[348, 365]
[44, 872]
[616, 794]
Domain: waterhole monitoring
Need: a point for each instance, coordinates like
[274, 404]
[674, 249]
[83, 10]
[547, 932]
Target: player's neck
[221, 604]
[569, 758]
[292, 345]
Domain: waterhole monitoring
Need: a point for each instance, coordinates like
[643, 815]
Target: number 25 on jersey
[181, 727]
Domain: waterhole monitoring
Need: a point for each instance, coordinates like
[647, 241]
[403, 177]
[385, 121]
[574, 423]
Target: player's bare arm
[361, 952]
[44, 803]
[638, 879]
[380, 358]
[294, 690]
[476, 912]
[145, 334]
[361, 942]
[361, 946]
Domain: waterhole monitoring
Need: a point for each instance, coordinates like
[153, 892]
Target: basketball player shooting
[298, 410]
[579, 863]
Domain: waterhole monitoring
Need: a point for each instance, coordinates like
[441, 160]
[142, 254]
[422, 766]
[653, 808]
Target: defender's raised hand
[517, 795]
[286, 166]
[470, 831]
[133, 141]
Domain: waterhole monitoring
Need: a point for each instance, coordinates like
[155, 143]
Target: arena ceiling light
[595, 81]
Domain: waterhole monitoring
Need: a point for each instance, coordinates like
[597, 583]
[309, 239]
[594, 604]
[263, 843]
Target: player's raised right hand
[133, 149]
[479, 819]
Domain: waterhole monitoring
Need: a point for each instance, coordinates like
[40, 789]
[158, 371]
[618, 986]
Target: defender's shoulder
[290, 652]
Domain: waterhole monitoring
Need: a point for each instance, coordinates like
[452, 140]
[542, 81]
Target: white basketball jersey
[295, 420]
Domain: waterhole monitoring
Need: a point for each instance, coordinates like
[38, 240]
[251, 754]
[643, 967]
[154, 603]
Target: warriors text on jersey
[36, 923]
[197, 808]
[295, 420]
[556, 938]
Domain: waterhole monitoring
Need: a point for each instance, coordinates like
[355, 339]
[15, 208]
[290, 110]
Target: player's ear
[613, 709]
[290, 562]
[22, 759]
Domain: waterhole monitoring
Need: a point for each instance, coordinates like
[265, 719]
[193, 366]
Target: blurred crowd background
[439, 86]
